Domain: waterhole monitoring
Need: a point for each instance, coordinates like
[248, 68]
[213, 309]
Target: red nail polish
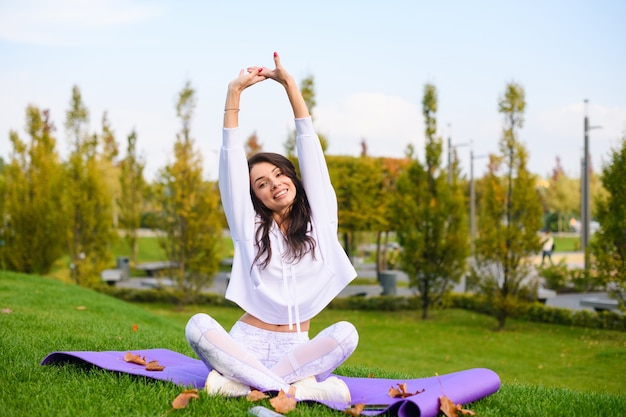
[260, 69]
[275, 54]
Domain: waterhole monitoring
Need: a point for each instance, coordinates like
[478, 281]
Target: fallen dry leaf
[7, 311]
[284, 403]
[81, 308]
[256, 395]
[355, 410]
[450, 409]
[154, 366]
[135, 328]
[132, 358]
[183, 398]
[402, 392]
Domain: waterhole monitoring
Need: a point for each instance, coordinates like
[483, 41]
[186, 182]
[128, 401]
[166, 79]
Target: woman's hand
[278, 74]
[281, 76]
[245, 79]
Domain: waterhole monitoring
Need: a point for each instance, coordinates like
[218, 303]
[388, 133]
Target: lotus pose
[288, 264]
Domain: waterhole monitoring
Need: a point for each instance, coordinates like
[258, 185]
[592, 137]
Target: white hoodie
[284, 292]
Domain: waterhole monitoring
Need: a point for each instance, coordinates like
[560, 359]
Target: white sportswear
[284, 292]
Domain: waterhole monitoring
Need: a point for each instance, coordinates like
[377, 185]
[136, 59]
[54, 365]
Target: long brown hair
[298, 218]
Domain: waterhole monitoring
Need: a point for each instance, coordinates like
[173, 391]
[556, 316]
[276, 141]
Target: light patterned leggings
[268, 360]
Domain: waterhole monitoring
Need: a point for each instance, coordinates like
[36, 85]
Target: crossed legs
[269, 360]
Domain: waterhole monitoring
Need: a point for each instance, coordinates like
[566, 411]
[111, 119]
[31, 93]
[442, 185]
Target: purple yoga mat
[461, 387]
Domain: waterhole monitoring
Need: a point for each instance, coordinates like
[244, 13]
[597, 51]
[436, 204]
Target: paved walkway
[571, 301]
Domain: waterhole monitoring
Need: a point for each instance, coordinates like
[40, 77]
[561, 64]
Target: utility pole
[584, 241]
[452, 147]
[585, 195]
[472, 199]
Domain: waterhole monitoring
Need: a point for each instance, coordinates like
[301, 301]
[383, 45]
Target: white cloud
[67, 22]
[387, 123]
[560, 131]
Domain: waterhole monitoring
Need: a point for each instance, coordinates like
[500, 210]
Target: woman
[287, 266]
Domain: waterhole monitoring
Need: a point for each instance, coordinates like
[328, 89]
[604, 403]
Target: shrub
[555, 276]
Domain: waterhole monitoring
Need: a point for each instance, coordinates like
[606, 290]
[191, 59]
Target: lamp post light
[473, 199]
[450, 148]
[585, 213]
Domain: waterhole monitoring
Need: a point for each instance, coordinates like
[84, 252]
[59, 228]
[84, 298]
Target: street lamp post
[450, 147]
[473, 199]
[585, 195]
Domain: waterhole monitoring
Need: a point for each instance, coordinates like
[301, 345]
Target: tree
[252, 145]
[32, 233]
[107, 160]
[510, 215]
[87, 199]
[608, 246]
[561, 197]
[130, 200]
[432, 220]
[357, 185]
[307, 88]
[189, 208]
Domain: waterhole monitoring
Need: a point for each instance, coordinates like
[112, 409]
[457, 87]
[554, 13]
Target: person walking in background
[548, 247]
[288, 264]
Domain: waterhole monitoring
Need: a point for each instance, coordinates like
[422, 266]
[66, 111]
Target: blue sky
[370, 61]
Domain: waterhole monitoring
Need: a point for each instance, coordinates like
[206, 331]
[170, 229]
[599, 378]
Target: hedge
[528, 311]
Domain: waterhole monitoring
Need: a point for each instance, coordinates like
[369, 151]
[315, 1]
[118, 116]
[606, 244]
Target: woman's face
[272, 187]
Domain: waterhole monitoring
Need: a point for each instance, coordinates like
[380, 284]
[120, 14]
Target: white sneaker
[331, 389]
[217, 384]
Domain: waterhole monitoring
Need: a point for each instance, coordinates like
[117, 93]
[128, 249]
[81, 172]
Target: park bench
[111, 276]
[600, 304]
[155, 269]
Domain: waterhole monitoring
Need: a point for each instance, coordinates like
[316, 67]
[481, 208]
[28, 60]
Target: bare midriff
[253, 321]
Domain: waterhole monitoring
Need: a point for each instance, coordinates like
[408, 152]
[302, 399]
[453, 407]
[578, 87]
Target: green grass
[545, 370]
[150, 250]
[567, 243]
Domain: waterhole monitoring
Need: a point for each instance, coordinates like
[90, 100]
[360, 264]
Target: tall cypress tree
[432, 218]
[189, 208]
[131, 197]
[510, 215]
[87, 199]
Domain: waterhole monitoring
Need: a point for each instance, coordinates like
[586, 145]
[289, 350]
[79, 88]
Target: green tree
[384, 217]
[510, 215]
[109, 165]
[608, 246]
[87, 199]
[356, 183]
[189, 208]
[432, 220]
[32, 234]
[131, 197]
[307, 88]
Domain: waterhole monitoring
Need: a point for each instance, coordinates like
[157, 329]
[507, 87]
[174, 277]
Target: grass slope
[44, 317]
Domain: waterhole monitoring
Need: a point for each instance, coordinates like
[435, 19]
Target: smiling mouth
[280, 194]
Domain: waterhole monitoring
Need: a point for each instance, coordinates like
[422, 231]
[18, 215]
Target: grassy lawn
[545, 370]
[567, 243]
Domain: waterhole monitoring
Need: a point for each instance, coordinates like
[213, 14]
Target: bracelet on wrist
[225, 110]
